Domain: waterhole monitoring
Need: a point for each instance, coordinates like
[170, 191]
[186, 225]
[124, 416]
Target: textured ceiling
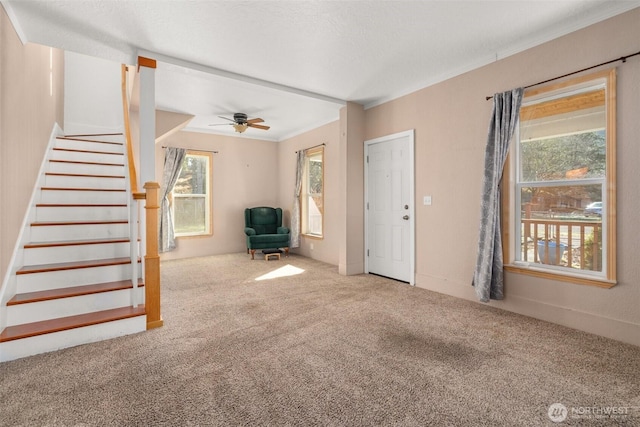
[293, 63]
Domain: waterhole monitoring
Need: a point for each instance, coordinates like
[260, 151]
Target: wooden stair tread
[88, 222]
[77, 162]
[82, 175]
[34, 245]
[81, 205]
[81, 189]
[30, 269]
[76, 135]
[74, 150]
[73, 291]
[85, 139]
[65, 323]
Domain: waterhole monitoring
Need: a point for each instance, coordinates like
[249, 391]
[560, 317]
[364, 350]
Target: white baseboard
[593, 323]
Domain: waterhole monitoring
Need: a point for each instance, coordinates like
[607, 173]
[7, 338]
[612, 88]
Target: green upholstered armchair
[264, 230]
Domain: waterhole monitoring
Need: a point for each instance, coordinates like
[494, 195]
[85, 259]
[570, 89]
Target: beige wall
[28, 113]
[93, 95]
[245, 174]
[451, 120]
[327, 248]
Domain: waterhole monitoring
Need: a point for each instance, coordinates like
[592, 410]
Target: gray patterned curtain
[488, 277]
[295, 215]
[173, 158]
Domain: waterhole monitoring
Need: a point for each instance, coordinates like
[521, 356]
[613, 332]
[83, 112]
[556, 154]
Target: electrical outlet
[427, 201]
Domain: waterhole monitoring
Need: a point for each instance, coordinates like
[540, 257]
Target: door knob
[405, 217]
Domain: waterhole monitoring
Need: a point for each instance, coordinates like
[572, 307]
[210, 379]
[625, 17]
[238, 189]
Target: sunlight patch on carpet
[287, 270]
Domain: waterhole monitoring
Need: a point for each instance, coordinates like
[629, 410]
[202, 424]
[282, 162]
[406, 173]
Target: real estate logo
[557, 412]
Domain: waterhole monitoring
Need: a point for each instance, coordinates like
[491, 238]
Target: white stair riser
[88, 146]
[16, 349]
[87, 157]
[36, 282]
[87, 169]
[55, 233]
[60, 254]
[67, 181]
[77, 196]
[89, 213]
[64, 307]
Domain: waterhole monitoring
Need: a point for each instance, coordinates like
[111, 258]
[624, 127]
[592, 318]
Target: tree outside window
[564, 175]
[191, 196]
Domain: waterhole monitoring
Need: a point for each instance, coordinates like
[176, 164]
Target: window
[312, 194]
[562, 201]
[192, 196]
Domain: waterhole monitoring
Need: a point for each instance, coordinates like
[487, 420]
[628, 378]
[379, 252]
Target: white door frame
[411, 212]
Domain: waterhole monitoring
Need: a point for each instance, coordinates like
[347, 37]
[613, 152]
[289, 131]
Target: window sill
[531, 270]
[313, 236]
[190, 236]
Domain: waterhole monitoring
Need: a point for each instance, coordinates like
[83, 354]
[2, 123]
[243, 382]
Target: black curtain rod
[315, 146]
[194, 149]
[622, 58]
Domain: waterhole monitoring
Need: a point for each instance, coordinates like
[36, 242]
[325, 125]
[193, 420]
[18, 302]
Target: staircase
[74, 279]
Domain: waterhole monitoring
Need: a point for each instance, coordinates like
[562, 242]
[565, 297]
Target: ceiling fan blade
[221, 124]
[226, 118]
[258, 126]
[252, 121]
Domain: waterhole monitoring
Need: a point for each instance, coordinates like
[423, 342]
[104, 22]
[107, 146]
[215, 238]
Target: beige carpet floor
[318, 349]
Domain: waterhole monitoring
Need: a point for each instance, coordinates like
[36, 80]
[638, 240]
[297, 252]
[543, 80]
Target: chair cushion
[269, 239]
[264, 220]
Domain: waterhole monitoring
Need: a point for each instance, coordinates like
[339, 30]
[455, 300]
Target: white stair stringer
[75, 264]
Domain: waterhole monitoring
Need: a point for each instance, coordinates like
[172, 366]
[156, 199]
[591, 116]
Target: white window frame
[305, 196]
[605, 278]
[208, 229]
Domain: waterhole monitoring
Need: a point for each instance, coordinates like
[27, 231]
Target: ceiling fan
[240, 122]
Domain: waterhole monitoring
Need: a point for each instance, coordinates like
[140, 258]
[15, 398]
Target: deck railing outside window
[568, 242]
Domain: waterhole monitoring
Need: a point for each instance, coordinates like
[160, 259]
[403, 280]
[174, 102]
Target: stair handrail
[131, 185]
[133, 179]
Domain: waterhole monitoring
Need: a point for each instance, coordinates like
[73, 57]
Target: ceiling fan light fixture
[240, 127]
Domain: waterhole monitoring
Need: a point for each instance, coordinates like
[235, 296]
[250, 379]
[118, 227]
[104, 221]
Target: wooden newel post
[151, 258]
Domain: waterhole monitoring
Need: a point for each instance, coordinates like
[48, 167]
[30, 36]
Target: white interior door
[389, 207]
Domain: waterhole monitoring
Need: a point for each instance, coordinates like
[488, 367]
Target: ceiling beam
[239, 77]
